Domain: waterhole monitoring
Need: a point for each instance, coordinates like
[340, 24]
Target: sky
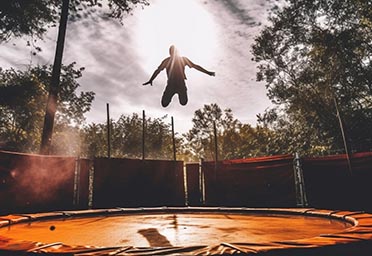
[119, 58]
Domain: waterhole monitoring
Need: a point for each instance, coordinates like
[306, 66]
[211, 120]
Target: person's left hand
[149, 82]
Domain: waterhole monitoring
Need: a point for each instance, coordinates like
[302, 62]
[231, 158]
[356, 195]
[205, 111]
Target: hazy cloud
[115, 70]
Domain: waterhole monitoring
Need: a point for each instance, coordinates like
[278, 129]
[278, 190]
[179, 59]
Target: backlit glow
[183, 23]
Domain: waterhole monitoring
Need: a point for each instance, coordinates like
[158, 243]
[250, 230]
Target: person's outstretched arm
[197, 67]
[154, 75]
[201, 69]
[156, 72]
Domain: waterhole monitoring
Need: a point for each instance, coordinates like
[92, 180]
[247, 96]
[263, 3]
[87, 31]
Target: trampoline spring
[10, 222]
[44, 246]
[343, 237]
[308, 211]
[120, 250]
[120, 209]
[29, 217]
[237, 247]
[353, 213]
[334, 212]
[65, 214]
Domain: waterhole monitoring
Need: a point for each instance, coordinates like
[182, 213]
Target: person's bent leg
[167, 98]
[182, 96]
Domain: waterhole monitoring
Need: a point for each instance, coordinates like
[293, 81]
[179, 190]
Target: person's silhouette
[175, 67]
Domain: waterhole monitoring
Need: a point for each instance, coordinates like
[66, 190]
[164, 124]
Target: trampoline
[188, 231]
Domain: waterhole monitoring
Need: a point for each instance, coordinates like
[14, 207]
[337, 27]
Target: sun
[184, 23]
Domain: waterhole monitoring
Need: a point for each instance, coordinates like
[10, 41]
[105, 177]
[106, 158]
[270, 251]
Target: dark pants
[170, 91]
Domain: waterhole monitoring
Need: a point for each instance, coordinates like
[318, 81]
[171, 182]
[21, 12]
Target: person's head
[172, 50]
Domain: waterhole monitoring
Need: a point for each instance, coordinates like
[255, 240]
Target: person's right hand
[149, 82]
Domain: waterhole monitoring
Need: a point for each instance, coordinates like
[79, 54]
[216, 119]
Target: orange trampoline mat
[192, 229]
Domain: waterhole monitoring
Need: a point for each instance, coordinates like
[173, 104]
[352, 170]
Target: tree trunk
[51, 106]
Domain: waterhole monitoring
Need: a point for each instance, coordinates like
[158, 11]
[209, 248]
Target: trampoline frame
[355, 239]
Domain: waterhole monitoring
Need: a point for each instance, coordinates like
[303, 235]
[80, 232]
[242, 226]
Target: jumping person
[175, 67]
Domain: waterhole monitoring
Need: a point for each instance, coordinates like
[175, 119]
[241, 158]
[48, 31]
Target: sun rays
[183, 23]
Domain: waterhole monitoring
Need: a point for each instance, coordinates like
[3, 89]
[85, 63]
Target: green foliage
[20, 17]
[23, 96]
[313, 53]
[71, 106]
[126, 138]
[34, 17]
[94, 141]
[20, 114]
[234, 139]
[201, 136]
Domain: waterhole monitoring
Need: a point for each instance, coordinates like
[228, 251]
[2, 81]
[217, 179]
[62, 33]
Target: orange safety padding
[35, 183]
[257, 160]
[137, 183]
[251, 183]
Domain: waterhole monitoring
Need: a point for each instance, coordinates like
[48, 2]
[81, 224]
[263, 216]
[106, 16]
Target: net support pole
[76, 200]
[216, 190]
[173, 141]
[143, 134]
[201, 182]
[215, 142]
[343, 136]
[301, 198]
[108, 131]
[175, 161]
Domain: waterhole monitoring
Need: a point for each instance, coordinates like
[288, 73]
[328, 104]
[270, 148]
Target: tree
[15, 16]
[23, 97]
[51, 106]
[158, 134]
[126, 137]
[200, 137]
[313, 54]
[18, 18]
[34, 17]
[247, 141]
[287, 134]
[94, 141]
[235, 140]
